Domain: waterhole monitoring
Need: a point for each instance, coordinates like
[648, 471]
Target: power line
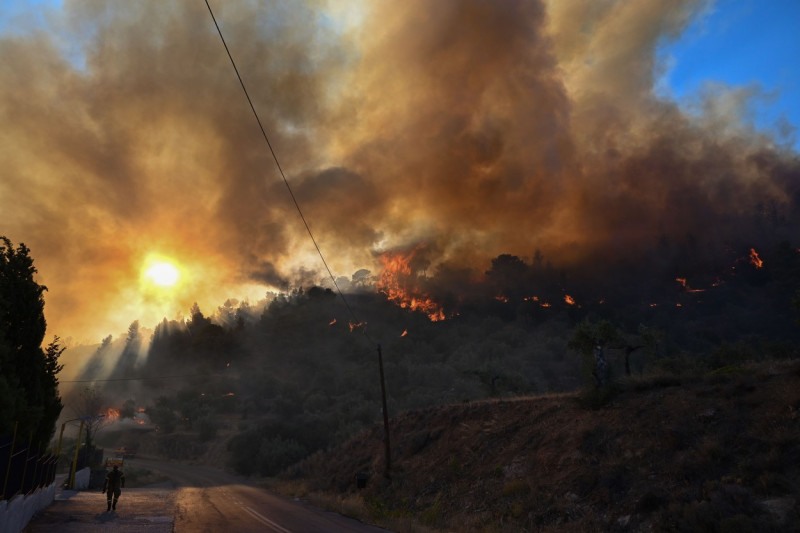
[280, 169]
[308, 229]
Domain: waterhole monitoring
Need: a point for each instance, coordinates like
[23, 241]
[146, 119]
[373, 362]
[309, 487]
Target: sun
[162, 273]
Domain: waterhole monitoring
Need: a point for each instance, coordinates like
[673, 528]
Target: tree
[90, 404]
[126, 364]
[28, 374]
[588, 335]
[97, 364]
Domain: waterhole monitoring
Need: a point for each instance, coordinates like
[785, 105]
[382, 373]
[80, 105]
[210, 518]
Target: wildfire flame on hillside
[685, 285]
[112, 414]
[755, 260]
[355, 325]
[397, 283]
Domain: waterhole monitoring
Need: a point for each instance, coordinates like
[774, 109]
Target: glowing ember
[569, 299]
[394, 283]
[405, 332]
[754, 259]
[112, 414]
[546, 304]
[501, 298]
[332, 322]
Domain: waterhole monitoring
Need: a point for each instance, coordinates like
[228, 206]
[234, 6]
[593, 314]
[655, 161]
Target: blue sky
[742, 42]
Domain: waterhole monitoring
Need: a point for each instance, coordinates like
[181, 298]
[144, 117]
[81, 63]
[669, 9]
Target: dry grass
[655, 453]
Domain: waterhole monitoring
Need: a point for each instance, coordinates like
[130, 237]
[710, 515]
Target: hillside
[716, 453]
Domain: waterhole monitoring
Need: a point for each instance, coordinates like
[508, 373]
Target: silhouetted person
[115, 480]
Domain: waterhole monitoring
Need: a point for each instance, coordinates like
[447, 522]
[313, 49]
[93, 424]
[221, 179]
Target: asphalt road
[196, 499]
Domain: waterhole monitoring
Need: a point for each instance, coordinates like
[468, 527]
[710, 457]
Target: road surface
[196, 499]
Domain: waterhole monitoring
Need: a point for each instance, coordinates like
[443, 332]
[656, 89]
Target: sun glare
[162, 273]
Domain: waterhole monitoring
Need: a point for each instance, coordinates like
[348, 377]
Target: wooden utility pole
[387, 472]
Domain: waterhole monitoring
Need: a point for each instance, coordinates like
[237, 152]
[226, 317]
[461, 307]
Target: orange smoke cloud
[497, 127]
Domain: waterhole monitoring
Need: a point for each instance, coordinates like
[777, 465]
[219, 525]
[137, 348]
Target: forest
[298, 372]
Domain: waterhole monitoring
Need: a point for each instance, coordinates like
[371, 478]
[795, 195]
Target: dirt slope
[718, 453]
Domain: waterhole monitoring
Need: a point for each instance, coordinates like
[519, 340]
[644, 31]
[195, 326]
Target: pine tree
[28, 374]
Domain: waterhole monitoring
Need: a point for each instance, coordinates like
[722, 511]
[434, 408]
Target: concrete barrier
[13, 516]
[17, 512]
[82, 478]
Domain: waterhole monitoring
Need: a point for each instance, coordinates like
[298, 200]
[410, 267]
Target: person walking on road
[115, 480]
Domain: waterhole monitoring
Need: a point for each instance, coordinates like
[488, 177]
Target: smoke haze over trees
[298, 374]
[506, 175]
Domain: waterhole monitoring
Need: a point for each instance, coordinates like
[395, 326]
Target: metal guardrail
[22, 468]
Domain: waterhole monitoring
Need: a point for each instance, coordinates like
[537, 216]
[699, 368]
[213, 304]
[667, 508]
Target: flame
[405, 332]
[332, 322]
[569, 299]
[112, 414]
[653, 305]
[754, 259]
[394, 281]
[546, 304]
[501, 298]
[354, 325]
[685, 285]
[531, 299]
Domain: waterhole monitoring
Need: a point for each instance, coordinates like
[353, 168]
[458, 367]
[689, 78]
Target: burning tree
[399, 283]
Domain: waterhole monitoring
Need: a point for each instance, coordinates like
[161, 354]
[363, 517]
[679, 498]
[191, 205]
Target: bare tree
[90, 404]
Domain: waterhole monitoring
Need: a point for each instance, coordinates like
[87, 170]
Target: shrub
[276, 453]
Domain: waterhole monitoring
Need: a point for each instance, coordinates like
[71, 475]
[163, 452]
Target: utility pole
[75, 459]
[387, 472]
[83, 420]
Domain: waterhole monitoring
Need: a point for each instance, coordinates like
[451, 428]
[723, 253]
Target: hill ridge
[716, 453]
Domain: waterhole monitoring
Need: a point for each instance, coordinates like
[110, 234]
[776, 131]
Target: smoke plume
[474, 128]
